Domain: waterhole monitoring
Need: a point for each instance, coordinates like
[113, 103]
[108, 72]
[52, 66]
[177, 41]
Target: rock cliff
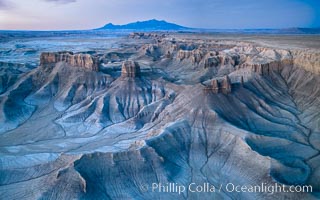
[220, 86]
[130, 69]
[307, 59]
[85, 61]
[261, 60]
[266, 68]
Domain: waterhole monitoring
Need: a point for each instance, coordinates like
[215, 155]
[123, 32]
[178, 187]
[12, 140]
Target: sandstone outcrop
[202, 55]
[220, 85]
[215, 86]
[307, 60]
[195, 55]
[268, 67]
[85, 61]
[208, 59]
[157, 50]
[130, 69]
[226, 85]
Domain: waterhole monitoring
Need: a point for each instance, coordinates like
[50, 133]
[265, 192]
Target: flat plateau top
[275, 41]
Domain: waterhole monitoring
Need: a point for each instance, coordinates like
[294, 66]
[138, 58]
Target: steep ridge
[40, 86]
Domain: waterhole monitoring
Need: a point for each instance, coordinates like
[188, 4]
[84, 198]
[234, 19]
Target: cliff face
[195, 56]
[226, 85]
[220, 86]
[261, 60]
[130, 69]
[85, 61]
[267, 67]
[307, 60]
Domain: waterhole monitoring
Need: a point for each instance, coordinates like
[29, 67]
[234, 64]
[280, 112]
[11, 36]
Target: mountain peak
[152, 24]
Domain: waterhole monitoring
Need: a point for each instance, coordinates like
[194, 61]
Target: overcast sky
[87, 14]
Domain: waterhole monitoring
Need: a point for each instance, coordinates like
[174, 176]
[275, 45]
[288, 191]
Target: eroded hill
[161, 109]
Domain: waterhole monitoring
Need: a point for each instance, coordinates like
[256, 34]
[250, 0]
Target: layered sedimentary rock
[195, 55]
[66, 133]
[85, 61]
[265, 68]
[226, 85]
[215, 86]
[207, 59]
[307, 59]
[130, 69]
[220, 86]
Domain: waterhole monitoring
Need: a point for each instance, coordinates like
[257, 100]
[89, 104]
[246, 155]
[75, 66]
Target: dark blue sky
[225, 14]
[261, 13]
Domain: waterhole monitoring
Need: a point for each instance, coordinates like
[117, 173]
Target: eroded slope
[181, 110]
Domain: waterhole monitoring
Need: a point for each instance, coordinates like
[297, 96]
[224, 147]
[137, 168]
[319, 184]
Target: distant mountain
[145, 25]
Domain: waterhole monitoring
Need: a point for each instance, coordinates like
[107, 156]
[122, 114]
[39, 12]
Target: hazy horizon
[215, 14]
